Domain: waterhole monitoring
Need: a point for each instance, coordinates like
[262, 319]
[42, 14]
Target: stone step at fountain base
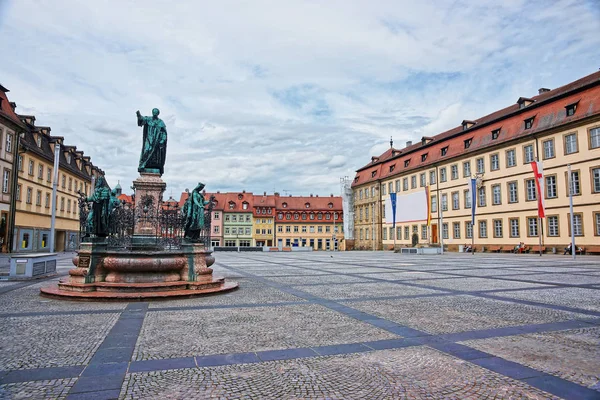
[136, 291]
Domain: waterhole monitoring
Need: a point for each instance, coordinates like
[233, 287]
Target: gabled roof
[298, 203]
[6, 110]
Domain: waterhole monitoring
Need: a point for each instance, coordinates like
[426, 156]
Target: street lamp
[373, 190]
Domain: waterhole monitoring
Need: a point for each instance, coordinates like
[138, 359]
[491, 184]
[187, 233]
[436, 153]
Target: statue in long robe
[193, 213]
[154, 147]
[98, 218]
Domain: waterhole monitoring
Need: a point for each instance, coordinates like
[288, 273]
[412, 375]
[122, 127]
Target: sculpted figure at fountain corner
[193, 213]
[154, 147]
[98, 218]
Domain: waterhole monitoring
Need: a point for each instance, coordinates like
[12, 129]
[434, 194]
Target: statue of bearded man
[154, 148]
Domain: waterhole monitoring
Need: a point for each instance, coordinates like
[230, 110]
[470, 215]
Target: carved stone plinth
[149, 189]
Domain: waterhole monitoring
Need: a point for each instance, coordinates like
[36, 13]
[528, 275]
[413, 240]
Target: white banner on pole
[409, 208]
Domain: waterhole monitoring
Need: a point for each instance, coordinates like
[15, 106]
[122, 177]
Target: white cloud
[280, 95]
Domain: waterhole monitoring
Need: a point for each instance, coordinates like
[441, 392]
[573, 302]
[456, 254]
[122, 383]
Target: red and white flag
[538, 172]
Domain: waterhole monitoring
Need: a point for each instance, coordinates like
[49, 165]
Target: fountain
[147, 250]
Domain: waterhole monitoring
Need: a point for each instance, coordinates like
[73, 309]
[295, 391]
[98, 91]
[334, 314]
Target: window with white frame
[571, 143]
[494, 162]
[390, 187]
[405, 184]
[575, 183]
[413, 182]
[551, 191]
[406, 232]
[468, 230]
[445, 230]
[397, 183]
[454, 171]
[596, 180]
[383, 192]
[361, 234]
[481, 197]
[511, 158]
[444, 202]
[432, 178]
[384, 233]
[577, 225]
[514, 227]
[38, 198]
[31, 165]
[434, 204]
[552, 225]
[532, 226]
[455, 201]
[531, 190]
[456, 230]
[480, 165]
[597, 220]
[513, 195]
[9, 143]
[443, 177]
[423, 179]
[18, 194]
[496, 195]
[498, 228]
[366, 234]
[467, 198]
[467, 169]
[548, 148]
[528, 153]
[424, 232]
[5, 181]
[482, 229]
[595, 138]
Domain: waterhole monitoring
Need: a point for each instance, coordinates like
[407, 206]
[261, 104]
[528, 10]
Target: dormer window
[38, 140]
[231, 205]
[495, 134]
[68, 159]
[284, 205]
[466, 124]
[392, 167]
[373, 174]
[240, 196]
[330, 205]
[468, 143]
[529, 123]
[307, 205]
[423, 157]
[356, 179]
[406, 163]
[444, 151]
[524, 102]
[245, 205]
[571, 108]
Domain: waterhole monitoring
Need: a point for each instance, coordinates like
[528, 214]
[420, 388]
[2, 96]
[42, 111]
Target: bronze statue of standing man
[154, 148]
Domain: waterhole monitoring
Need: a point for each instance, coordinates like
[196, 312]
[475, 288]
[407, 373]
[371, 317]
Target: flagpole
[571, 210]
[473, 205]
[540, 233]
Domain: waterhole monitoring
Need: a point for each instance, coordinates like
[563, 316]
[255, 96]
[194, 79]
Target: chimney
[408, 143]
[264, 193]
[13, 105]
[317, 195]
[331, 195]
[243, 191]
[543, 90]
[218, 191]
[311, 195]
[276, 194]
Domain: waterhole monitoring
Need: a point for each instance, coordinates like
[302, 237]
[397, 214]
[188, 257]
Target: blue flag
[393, 200]
[473, 200]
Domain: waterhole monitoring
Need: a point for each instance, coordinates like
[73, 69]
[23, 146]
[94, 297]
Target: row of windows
[234, 218]
[550, 191]
[571, 146]
[47, 197]
[312, 216]
[235, 231]
[72, 184]
[307, 229]
[497, 228]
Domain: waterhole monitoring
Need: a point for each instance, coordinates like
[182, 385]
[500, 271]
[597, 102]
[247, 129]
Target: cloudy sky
[284, 96]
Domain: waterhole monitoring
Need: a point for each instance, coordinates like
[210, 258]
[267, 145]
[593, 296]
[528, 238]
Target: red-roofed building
[557, 127]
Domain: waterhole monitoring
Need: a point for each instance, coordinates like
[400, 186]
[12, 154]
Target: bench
[496, 249]
[589, 250]
[536, 249]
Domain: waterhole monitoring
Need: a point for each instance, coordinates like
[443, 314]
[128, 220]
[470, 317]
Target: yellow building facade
[559, 128]
[33, 197]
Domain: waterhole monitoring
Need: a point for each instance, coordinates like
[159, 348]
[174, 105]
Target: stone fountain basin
[144, 261]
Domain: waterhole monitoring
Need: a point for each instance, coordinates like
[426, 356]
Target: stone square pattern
[451, 314]
[51, 341]
[476, 284]
[546, 352]
[582, 298]
[48, 389]
[390, 374]
[167, 334]
[364, 290]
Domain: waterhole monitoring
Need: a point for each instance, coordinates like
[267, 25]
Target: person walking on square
[568, 249]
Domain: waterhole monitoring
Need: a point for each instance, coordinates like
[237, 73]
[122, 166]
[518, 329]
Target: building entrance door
[434, 233]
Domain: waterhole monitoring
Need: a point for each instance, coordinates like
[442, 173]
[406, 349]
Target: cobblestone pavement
[355, 325]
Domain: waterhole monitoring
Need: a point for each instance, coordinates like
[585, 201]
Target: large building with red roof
[557, 127]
